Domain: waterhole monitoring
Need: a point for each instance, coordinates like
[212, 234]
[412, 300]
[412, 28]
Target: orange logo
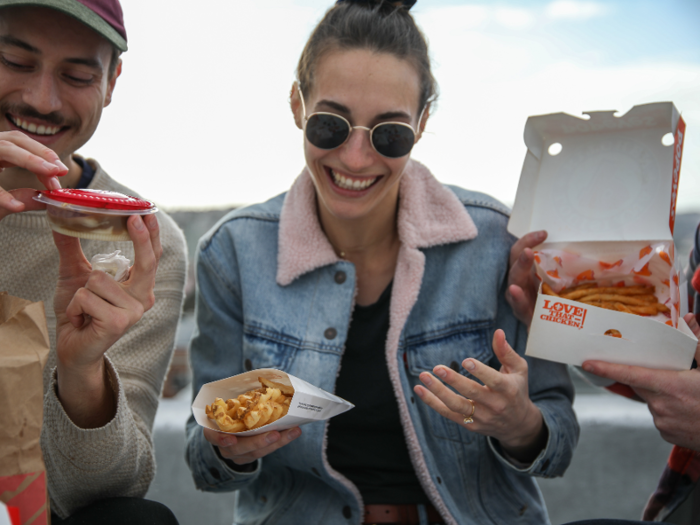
[588, 275]
[644, 271]
[677, 156]
[607, 266]
[565, 314]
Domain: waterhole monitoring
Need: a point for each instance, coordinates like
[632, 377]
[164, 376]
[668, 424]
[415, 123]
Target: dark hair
[114, 60]
[382, 28]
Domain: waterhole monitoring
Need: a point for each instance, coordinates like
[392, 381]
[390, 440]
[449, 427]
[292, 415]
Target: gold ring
[470, 418]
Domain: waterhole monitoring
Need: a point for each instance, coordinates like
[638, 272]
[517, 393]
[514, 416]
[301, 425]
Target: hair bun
[405, 4]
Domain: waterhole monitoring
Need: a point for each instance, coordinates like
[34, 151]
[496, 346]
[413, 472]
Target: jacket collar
[429, 215]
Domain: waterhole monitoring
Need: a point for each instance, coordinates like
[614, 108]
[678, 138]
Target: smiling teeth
[33, 128]
[349, 184]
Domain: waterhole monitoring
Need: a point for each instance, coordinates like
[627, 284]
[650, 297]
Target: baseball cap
[103, 16]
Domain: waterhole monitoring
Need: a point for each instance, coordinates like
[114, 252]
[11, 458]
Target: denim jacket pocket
[269, 498]
[448, 346]
[504, 500]
[265, 348]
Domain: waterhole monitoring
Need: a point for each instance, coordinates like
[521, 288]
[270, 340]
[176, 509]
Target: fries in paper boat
[263, 400]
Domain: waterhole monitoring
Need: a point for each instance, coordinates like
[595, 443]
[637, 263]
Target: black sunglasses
[330, 131]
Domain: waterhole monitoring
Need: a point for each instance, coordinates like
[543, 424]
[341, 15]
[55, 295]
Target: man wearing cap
[111, 343]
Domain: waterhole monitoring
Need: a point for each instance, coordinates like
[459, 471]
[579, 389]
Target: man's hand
[521, 293]
[673, 397]
[501, 407]
[18, 150]
[92, 312]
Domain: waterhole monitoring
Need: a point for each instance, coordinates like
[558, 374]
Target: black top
[366, 444]
[87, 175]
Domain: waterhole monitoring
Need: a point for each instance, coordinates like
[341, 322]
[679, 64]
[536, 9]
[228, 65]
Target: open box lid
[613, 179]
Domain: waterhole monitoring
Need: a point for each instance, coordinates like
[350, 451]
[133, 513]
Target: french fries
[253, 409]
[638, 299]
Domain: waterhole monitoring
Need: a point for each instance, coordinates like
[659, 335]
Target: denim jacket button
[248, 365]
[347, 512]
[454, 366]
[340, 277]
[214, 473]
[330, 333]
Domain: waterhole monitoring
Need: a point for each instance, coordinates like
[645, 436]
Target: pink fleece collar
[429, 215]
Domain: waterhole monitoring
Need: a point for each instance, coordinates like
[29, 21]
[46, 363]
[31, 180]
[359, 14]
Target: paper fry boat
[308, 404]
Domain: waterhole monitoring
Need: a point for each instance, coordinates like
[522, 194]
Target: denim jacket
[272, 293]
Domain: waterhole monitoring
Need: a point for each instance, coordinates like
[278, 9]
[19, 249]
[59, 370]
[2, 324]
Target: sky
[200, 116]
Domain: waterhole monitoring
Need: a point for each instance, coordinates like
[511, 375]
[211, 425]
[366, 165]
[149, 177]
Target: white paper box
[609, 192]
[612, 181]
[572, 332]
[308, 404]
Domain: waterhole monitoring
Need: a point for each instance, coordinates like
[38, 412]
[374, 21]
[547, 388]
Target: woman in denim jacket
[372, 280]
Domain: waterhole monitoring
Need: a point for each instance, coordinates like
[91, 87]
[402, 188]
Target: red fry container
[92, 214]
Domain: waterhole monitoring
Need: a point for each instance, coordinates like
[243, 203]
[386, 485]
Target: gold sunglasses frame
[351, 127]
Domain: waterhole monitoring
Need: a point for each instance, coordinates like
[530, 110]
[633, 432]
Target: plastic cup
[92, 214]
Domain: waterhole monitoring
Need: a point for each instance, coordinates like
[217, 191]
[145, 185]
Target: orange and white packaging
[24, 351]
[604, 187]
[309, 403]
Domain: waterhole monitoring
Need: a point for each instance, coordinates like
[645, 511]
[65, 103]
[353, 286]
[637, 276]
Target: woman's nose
[357, 152]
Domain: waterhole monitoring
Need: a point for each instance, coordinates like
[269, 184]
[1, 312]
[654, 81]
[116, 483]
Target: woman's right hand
[18, 150]
[243, 450]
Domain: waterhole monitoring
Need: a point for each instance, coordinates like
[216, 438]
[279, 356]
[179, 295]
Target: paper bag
[24, 349]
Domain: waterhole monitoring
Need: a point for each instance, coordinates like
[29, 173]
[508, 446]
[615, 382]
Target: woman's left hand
[503, 409]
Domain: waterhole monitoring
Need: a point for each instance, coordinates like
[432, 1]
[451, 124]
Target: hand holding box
[607, 198]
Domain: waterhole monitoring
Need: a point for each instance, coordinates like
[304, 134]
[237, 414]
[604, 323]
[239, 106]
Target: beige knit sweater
[117, 459]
